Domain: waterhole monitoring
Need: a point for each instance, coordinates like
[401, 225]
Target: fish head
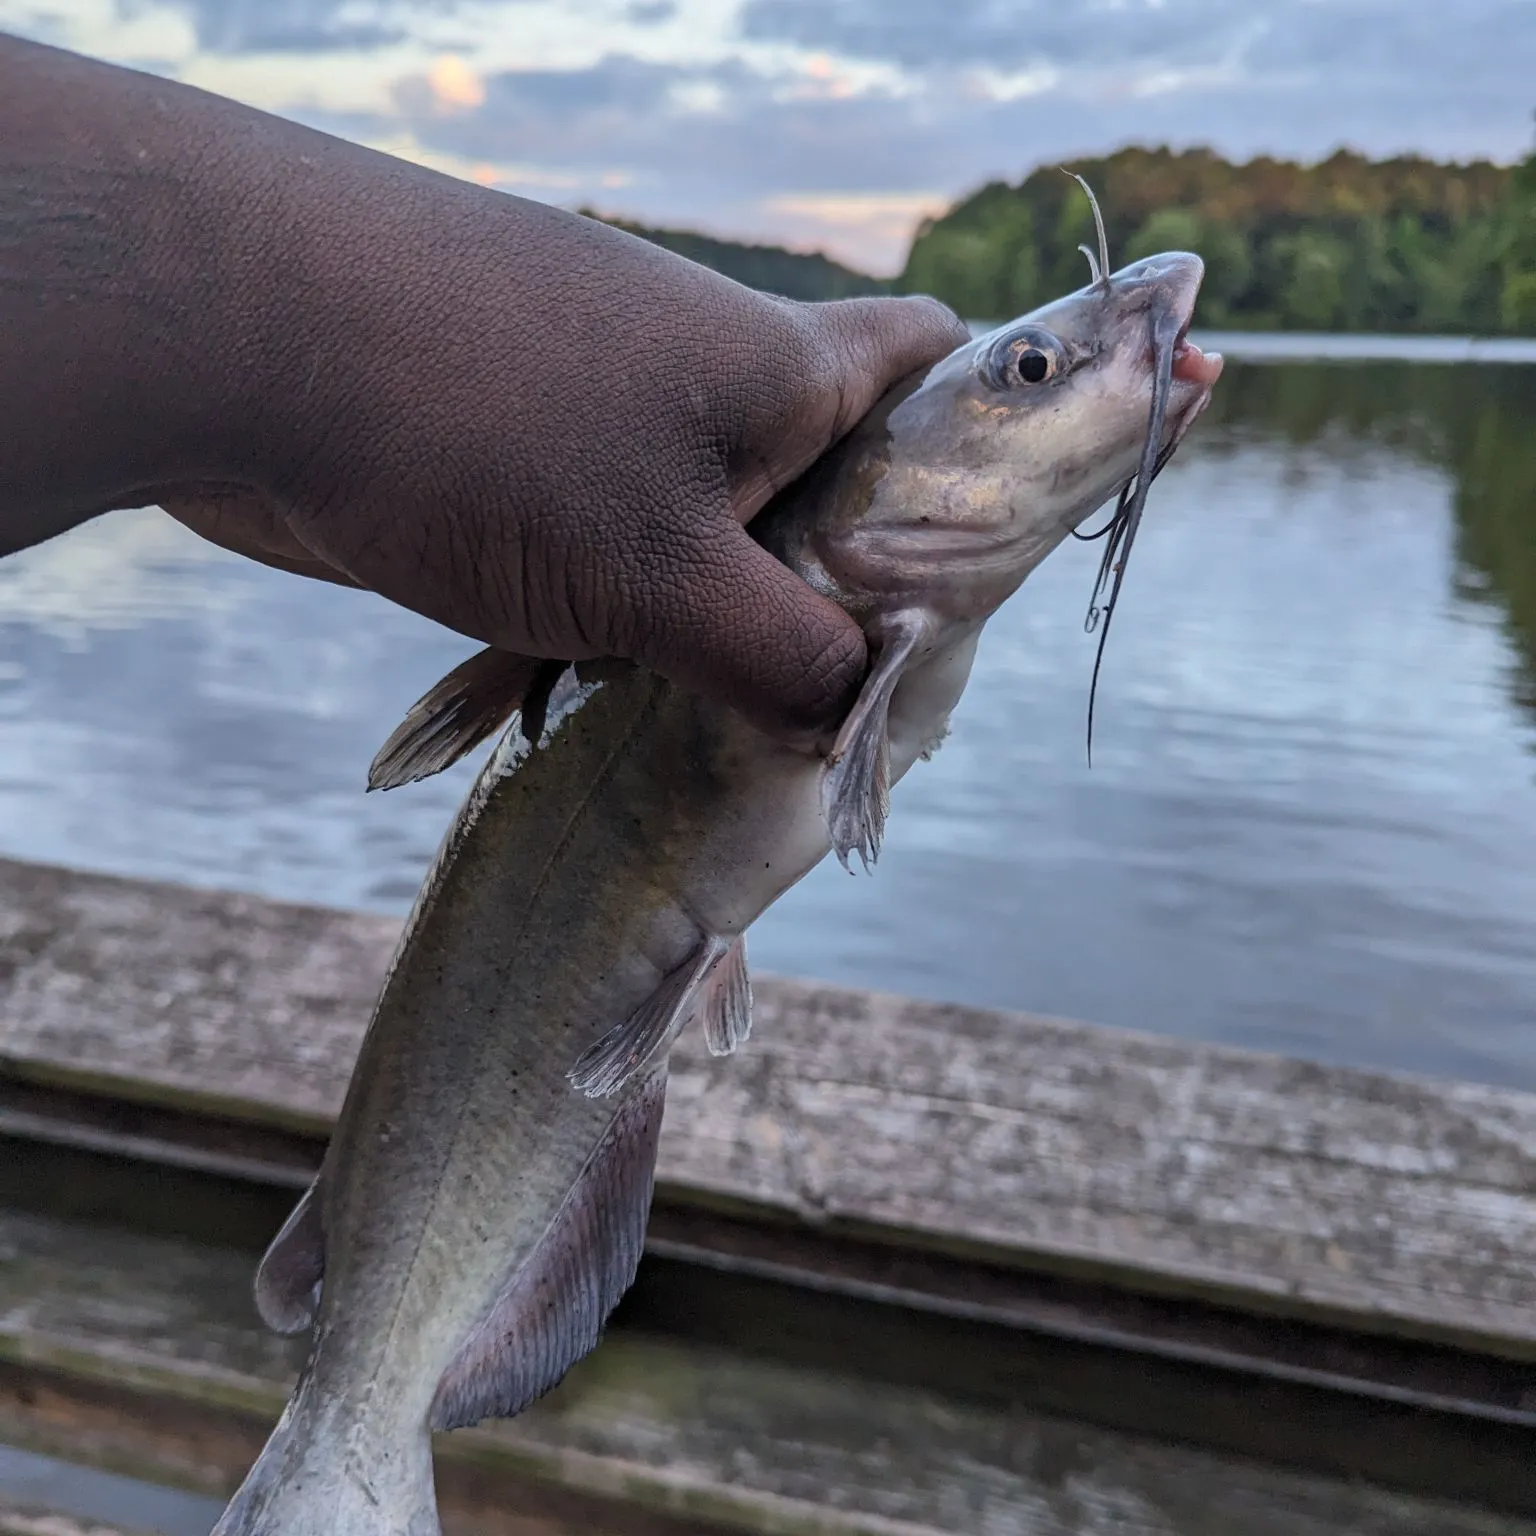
[973, 474]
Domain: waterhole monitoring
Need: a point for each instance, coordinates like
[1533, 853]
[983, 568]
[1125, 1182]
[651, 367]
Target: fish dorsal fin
[455, 715]
[289, 1275]
[554, 1310]
[604, 1068]
[856, 786]
[726, 1003]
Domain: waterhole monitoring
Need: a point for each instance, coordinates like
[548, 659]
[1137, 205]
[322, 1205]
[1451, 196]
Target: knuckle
[938, 322]
[819, 683]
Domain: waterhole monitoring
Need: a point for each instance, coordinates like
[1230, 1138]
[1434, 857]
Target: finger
[725, 619]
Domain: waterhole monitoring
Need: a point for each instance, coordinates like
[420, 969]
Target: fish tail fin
[306, 1483]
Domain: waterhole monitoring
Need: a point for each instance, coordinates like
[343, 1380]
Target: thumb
[725, 619]
[878, 342]
[862, 348]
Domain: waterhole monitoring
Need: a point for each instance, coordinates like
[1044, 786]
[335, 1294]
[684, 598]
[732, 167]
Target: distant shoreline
[1352, 346]
[1298, 346]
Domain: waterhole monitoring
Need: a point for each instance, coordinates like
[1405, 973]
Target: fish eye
[1033, 366]
[1029, 357]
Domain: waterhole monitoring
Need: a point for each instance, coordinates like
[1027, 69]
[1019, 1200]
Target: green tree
[1519, 303]
[1350, 243]
[1228, 263]
[980, 259]
[1312, 264]
[1378, 292]
[1472, 256]
[1517, 256]
[772, 268]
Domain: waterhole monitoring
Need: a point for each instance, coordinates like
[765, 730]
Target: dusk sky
[832, 123]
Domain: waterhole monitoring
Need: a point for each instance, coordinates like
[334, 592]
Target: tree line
[772, 268]
[1348, 244]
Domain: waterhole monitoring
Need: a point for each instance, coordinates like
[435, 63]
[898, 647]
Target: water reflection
[1311, 823]
[1476, 422]
[1493, 453]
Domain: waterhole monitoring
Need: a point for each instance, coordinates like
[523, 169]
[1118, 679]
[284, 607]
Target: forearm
[194, 294]
[128, 359]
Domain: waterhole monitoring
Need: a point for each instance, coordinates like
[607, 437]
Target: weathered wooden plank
[700, 1434]
[1387, 1202]
[186, 996]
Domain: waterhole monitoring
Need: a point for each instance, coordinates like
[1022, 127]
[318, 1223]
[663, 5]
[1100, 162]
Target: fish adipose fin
[553, 1312]
[604, 1068]
[726, 1004]
[289, 1275]
[856, 787]
[471, 703]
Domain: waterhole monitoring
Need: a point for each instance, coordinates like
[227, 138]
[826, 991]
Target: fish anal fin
[553, 1312]
[855, 787]
[726, 1003]
[605, 1067]
[456, 714]
[290, 1273]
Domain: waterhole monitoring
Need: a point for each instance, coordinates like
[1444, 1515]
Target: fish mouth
[1199, 370]
[1192, 366]
[1168, 286]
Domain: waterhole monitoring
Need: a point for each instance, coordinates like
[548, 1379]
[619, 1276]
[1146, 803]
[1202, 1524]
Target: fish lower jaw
[959, 582]
[1192, 366]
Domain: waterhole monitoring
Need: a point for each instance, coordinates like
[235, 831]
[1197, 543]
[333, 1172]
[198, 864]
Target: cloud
[1292, 77]
[829, 121]
[581, 118]
[924, 35]
[796, 146]
[1306, 42]
[287, 26]
[455, 87]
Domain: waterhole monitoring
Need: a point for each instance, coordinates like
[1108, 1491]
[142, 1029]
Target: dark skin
[541, 432]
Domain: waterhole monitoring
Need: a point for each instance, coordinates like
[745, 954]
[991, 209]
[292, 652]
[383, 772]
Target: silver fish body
[483, 1203]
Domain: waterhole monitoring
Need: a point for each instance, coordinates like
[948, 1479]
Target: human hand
[548, 435]
[537, 430]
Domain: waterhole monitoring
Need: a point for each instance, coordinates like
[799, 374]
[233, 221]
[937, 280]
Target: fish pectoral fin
[856, 784]
[459, 712]
[605, 1067]
[289, 1276]
[554, 1309]
[726, 1003]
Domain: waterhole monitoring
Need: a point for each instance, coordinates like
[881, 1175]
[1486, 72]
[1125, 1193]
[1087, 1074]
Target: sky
[831, 124]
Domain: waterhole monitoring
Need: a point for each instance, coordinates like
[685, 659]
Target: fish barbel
[482, 1204]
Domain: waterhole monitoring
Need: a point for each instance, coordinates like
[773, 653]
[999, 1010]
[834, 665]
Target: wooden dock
[914, 1270]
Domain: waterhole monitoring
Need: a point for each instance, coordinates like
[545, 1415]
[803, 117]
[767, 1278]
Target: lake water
[1310, 824]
